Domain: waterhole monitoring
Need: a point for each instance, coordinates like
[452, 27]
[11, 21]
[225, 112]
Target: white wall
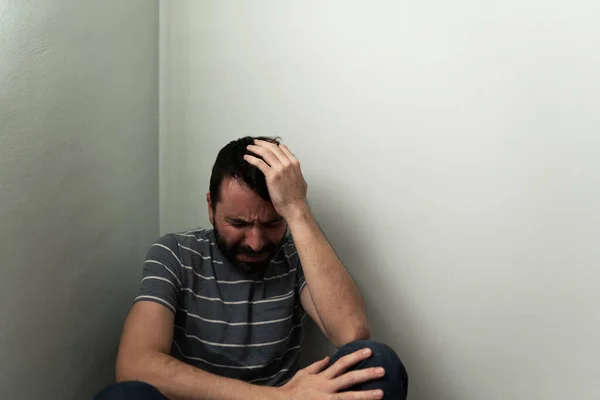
[451, 150]
[78, 187]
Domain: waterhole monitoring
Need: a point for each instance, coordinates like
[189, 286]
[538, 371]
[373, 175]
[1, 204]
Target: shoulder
[289, 250]
[198, 240]
[167, 240]
[288, 244]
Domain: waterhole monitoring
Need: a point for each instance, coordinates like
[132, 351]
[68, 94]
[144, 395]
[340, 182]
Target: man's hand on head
[331, 297]
[283, 175]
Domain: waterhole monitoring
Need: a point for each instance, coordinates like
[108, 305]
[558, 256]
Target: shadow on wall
[354, 238]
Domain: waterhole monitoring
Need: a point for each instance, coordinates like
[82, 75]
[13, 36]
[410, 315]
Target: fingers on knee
[376, 347]
[383, 352]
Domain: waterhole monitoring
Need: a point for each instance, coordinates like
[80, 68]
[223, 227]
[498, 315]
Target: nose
[254, 239]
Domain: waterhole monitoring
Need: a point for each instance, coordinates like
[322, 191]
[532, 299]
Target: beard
[231, 252]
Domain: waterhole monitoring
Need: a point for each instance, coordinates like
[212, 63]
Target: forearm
[336, 297]
[180, 381]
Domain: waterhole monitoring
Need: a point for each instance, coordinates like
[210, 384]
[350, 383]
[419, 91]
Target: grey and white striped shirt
[227, 321]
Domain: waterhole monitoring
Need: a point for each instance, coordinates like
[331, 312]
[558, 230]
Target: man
[220, 312]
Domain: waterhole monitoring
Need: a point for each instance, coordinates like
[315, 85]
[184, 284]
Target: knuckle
[351, 379]
[343, 363]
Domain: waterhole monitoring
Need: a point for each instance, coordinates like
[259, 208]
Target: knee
[131, 390]
[375, 346]
[383, 355]
[395, 381]
[379, 349]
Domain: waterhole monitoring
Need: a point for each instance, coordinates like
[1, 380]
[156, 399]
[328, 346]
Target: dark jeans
[394, 384]
[395, 381]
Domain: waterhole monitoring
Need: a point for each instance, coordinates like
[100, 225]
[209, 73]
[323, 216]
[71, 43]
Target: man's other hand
[318, 382]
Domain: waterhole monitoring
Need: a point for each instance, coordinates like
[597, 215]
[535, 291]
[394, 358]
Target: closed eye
[238, 223]
[272, 224]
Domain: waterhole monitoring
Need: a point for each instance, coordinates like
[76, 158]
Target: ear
[211, 216]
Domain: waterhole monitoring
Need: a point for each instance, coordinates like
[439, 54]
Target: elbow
[359, 331]
[122, 373]
[135, 365]
[126, 368]
[364, 333]
[122, 376]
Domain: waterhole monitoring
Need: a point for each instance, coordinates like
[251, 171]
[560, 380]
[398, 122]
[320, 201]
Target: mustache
[247, 250]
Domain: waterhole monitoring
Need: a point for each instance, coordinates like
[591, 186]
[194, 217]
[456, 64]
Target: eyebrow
[234, 219]
[243, 221]
[275, 219]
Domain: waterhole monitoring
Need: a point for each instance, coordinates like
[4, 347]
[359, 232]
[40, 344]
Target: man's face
[248, 230]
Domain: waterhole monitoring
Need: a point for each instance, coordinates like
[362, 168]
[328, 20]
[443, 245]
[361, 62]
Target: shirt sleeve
[294, 260]
[301, 280]
[161, 278]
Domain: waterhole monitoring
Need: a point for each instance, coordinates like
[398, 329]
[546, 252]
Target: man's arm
[144, 356]
[332, 299]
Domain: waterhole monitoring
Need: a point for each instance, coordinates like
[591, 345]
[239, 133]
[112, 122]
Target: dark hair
[230, 163]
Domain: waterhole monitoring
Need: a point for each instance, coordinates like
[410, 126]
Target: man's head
[247, 228]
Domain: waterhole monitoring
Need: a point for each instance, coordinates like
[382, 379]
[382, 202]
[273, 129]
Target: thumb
[317, 366]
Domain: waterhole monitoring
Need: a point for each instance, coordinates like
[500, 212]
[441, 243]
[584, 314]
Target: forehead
[239, 201]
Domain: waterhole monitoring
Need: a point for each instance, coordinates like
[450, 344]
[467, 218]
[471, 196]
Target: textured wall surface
[451, 151]
[78, 187]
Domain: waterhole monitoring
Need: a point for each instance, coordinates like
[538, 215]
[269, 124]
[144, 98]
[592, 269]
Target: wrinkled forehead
[239, 201]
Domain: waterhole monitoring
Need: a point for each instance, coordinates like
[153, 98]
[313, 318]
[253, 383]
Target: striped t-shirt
[227, 321]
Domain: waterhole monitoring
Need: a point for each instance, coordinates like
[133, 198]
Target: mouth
[252, 257]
